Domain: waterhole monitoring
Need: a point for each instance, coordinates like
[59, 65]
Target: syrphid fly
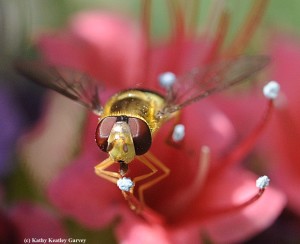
[129, 119]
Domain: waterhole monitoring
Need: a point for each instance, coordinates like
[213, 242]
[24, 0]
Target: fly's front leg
[101, 171]
[153, 164]
[125, 184]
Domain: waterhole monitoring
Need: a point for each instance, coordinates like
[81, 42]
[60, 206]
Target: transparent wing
[200, 83]
[73, 84]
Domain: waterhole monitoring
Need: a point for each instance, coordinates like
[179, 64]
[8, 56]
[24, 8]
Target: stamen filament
[146, 16]
[179, 24]
[215, 31]
[244, 147]
[195, 5]
[177, 36]
[221, 32]
[201, 176]
[235, 208]
[217, 7]
[248, 28]
[185, 197]
[203, 167]
[148, 214]
[146, 32]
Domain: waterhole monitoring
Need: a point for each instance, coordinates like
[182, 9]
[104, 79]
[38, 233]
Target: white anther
[167, 79]
[262, 182]
[125, 184]
[178, 133]
[271, 90]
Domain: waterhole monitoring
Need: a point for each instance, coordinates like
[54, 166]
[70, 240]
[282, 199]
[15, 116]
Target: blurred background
[21, 103]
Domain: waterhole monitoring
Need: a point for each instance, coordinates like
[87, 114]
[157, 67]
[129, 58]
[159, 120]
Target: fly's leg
[113, 177]
[101, 171]
[148, 160]
[153, 164]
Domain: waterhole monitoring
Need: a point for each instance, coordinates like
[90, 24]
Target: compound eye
[103, 131]
[141, 135]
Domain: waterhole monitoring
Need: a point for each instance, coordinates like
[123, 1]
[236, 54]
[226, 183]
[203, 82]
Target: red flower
[204, 195]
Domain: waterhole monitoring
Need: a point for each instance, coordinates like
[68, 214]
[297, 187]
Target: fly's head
[120, 145]
[123, 137]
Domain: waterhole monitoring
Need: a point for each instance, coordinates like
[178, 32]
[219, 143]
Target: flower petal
[178, 57]
[78, 192]
[134, 231]
[112, 52]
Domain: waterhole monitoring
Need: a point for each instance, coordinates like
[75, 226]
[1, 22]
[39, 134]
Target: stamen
[244, 147]
[262, 182]
[220, 35]
[271, 90]
[202, 171]
[146, 29]
[217, 7]
[178, 133]
[194, 15]
[204, 164]
[247, 29]
[167, 79]
[178, 35]
[187, 196]
[179, 23]
[216, 29]
[147, 213]
[125, 184]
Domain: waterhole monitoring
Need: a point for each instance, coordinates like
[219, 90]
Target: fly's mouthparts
[123, 168]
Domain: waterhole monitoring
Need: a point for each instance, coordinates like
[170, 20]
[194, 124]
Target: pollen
[262, 182]
[271, 90]
[125, 184]
[178, 133]
[167, 79]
